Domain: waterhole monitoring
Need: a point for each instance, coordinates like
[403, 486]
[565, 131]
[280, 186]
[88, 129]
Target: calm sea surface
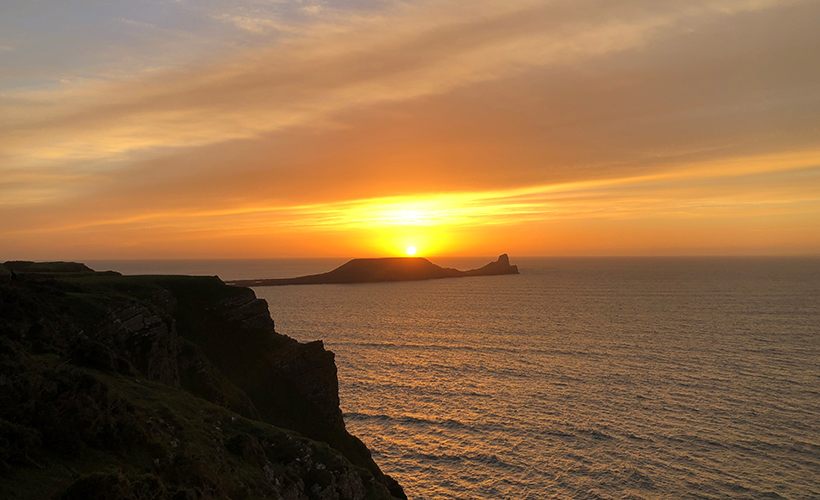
[579, 378]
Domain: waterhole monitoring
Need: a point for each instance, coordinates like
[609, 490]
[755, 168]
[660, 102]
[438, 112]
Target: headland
[384, 270]
[165, 387]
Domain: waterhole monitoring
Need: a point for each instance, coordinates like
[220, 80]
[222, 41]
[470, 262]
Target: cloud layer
[469, 115]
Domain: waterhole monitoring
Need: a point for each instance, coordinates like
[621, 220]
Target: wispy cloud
[328, 68]
[793, 187]
[457, 114]
[253, 24]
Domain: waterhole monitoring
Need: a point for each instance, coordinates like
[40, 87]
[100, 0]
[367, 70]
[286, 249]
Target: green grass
[191, 440]
[78, 432]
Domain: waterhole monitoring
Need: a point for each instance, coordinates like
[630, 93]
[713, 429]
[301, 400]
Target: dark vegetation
[164, 387]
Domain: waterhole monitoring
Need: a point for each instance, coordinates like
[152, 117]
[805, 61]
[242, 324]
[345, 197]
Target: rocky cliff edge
[165, 387]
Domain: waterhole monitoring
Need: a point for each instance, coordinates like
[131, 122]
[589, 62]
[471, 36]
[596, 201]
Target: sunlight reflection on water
[582, 378]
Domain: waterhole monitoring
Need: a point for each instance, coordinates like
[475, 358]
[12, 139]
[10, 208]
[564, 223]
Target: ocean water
[582, 378]
[579, 378]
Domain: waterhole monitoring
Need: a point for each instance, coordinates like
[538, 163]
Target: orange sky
[358, 128]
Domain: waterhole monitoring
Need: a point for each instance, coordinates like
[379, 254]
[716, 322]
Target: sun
[411, 250]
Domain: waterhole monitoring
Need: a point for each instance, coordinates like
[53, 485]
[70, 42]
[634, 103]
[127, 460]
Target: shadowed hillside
[164, 387]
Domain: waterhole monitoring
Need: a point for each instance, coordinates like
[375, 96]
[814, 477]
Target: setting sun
[312, 214]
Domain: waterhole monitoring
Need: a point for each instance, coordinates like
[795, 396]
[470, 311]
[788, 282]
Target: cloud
[254, 24]
[747, 186]
[428, 50]
[432, 114]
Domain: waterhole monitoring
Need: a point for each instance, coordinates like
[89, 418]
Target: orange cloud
[449, 123]
[787, 185]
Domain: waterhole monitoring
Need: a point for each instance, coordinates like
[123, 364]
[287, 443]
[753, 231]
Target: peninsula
[165, 387]
[386, 269]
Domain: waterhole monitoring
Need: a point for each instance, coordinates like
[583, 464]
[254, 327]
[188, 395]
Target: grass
[184, 445]
[104, 431]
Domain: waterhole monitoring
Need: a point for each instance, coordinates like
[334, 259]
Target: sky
[301, 128]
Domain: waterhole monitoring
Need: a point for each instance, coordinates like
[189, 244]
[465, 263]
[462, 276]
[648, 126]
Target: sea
[580, 378]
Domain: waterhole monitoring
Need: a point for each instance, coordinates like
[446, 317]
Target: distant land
[386, 269]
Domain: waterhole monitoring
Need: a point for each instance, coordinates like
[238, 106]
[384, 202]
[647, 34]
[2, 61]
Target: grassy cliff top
[134, 387]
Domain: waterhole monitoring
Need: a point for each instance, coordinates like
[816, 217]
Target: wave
[612, 380]
[447, 423]
[486, 459]
[469, 348]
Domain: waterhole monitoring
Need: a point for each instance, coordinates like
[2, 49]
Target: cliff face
[500, 266]
[292, 385]
[131, 362]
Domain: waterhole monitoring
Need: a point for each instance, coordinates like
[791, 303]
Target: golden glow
[411, 250]
[419, 218]
[544, 131]
[654, 211]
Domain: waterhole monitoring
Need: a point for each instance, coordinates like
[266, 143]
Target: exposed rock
[247, 312]
[292, 385]
[500, 266]
[199, 376]
[311, 371]
[146, 337]
[125, 335]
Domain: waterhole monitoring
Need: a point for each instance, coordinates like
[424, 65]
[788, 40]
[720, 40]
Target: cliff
[386, 269]
[165, 387]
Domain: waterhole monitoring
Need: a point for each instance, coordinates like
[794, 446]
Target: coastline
[177, 334]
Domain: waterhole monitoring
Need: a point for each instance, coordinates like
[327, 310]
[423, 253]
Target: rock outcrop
[386, 269]
[130, 368]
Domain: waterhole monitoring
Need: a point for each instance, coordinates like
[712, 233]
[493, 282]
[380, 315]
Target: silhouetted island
[386, 269]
